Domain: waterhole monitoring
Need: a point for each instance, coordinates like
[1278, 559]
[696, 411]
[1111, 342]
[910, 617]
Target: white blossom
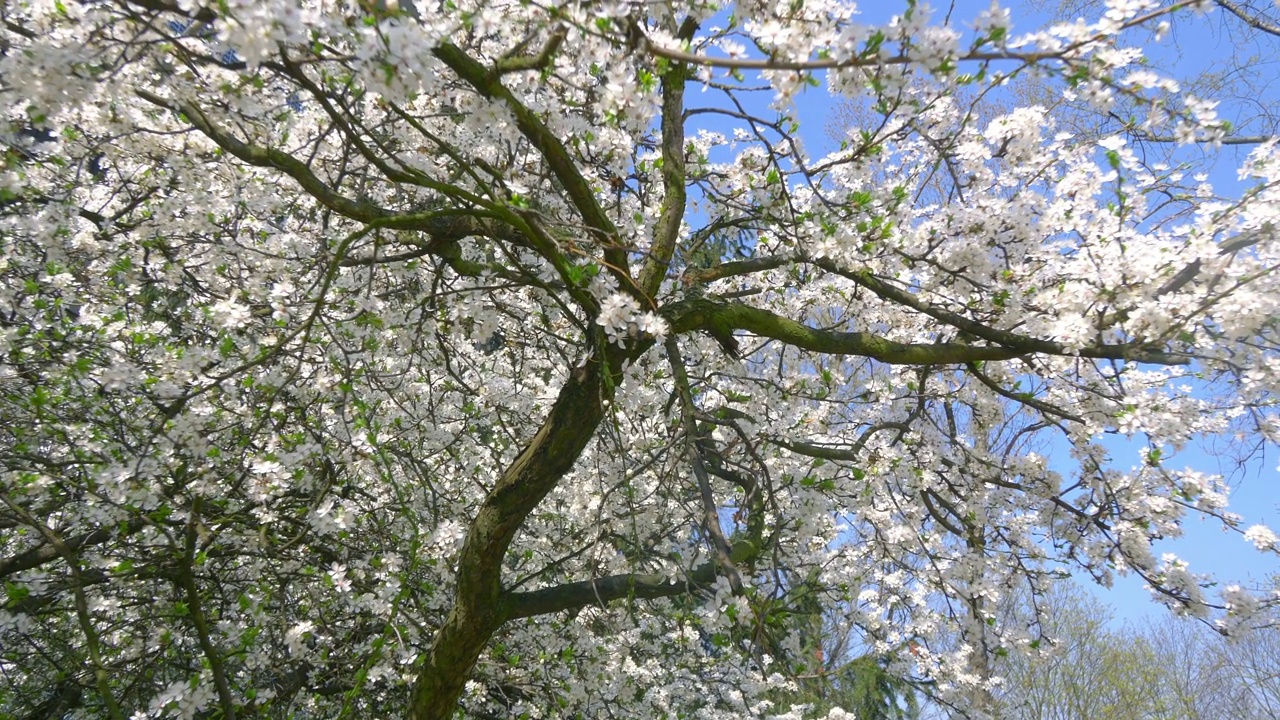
[343, 340]
[1262, 537]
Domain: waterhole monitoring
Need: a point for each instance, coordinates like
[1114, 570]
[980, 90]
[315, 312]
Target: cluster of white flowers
[1262, 537]
[231, 314]
[621, 318]
[993, 18]
[296, 637]
[184, 698]
[330, 516]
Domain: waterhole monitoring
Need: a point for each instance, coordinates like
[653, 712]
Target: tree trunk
[478, 610]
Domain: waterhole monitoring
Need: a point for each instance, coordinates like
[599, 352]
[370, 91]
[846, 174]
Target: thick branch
[602, 591]
[488, 84]
[738, 267]
[710, 511]
[1021, 344]
[187, 579]
[673, 172]
[1229, 140]
[521, 63]
[477, 608]
[719, 316]
[37, 556]
[928, 496]
[452, 224]
[270, 158]
[205, 14]
[1192, 269]
[82, 606]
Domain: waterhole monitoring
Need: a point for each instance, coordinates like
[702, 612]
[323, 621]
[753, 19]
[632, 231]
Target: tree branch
[1235, 244]
[738, 267]
[715, 315]
[674, 178]
[852, 454]
[37, 556]
[710, 512]
[453, 224]
[1022, 344]
[873, 59]
[82, 606]
[487, 83]
[1024, 398]
[521, 63]
[602, 591]
[1254, 21]
[187, 580]
[477, 610]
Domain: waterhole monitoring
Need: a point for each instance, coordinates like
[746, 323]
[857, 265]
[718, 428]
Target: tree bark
[478, 608]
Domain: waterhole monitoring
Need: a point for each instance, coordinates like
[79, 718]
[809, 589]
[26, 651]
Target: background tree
[836, 669]
[1085, 668]
[1089, 666]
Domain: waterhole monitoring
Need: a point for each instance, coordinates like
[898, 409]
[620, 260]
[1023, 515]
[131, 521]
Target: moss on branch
[714, 315]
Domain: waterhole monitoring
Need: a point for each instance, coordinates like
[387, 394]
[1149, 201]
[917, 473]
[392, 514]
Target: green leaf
[16, 593]
[873, 43]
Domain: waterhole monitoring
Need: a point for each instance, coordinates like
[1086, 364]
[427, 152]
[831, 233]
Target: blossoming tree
[517, 359]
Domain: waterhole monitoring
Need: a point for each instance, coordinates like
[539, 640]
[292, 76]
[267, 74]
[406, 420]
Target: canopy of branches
[519, 359]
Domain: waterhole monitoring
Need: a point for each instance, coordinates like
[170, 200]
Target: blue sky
[1205, 545]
